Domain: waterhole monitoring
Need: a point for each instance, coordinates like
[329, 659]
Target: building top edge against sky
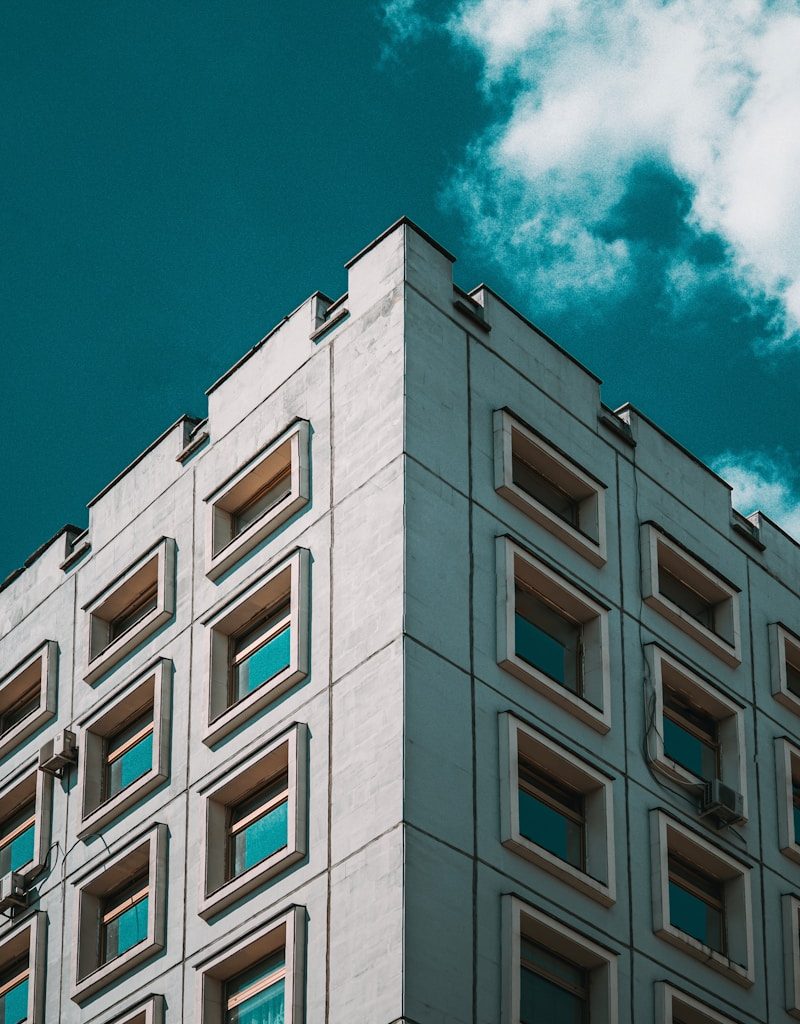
[426, 266]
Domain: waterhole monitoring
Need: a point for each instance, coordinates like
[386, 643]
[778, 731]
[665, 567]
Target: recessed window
[785, 666]
[258, 645]
[701, 899]
[549, 488]
[691, 736]
[552, 988]
[260, 980]
[552, 636]
[257, 994]
[125, 747]
[676, 1007]
[552, 814]
[552, 974]
[696, 903]
[131, 608]
[121, 913]
[695, 732]
[151, 1011]
[556, 810]
[22, 963]
[258, 499]
[123, 918]
[690, 594]
[25, 816]
[787, 763]
[255, 816]
[28, 696]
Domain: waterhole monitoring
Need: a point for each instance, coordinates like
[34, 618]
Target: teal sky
[176, 176]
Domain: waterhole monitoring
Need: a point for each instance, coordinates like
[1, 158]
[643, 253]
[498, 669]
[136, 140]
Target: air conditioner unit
[722, 803]
[58, 753]
[12, 892]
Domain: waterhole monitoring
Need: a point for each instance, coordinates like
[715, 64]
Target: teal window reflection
[546, 639]
[260, 652]
[14, 993]
[691, 737]
[553, 990]
[696, 904]
[129, 754]
[257, 996]
[552, 815]
[124, 919]
[259, 826]
[17, 836]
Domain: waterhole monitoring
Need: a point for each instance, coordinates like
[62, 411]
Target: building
[413, 686]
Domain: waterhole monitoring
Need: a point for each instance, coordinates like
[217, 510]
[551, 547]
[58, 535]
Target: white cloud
[403, 22]
[762, 483]
[708, 88]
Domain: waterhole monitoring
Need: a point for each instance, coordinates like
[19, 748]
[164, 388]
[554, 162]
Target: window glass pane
[143, 606]
[545, 491]
[261, 839]
[547, 640]
[793, 679]
[17, 851]
[546, 827]
[130, 766]
[552, 990]
[685, 597]
[254, 1004]
[694, 916]
[126, 930]
[796, 809]
[25, 706]
[275, 491]
[689, 750]
[264, 663]
[14, 1004]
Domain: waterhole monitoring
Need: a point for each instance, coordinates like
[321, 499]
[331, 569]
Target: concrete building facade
[412, 686]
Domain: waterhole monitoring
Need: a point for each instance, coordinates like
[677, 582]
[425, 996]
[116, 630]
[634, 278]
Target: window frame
[520, 919]
[665, 670]
[97, 812]
[148, 850]
[102, 658]
[514, 562]
[656, 546]
[518, 740]
[510, 436]
[29, 938]
[669, 836]
[47, 655]
[787, 768]
[220, 558]
[288, 751]
[26, 785]
[781, 640]
[289, 576]
[668, 999]
[151, 1011]
[286, 931]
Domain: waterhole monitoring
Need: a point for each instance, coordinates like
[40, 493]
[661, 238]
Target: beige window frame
[784, 649]
[287, 580]
[30, 786]
[285, 753]
[671, 1001]
[514, 564]
[512, 441]
[666, 671]
[520, 920]
[787, 771]
[659, 553]
[790, 907]
[155, 568]
[29, 940]
[148, 852]
[149, 689]
[285, 932]
[669, 836]
[287, 457]
[519, 740]
[36, 676]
